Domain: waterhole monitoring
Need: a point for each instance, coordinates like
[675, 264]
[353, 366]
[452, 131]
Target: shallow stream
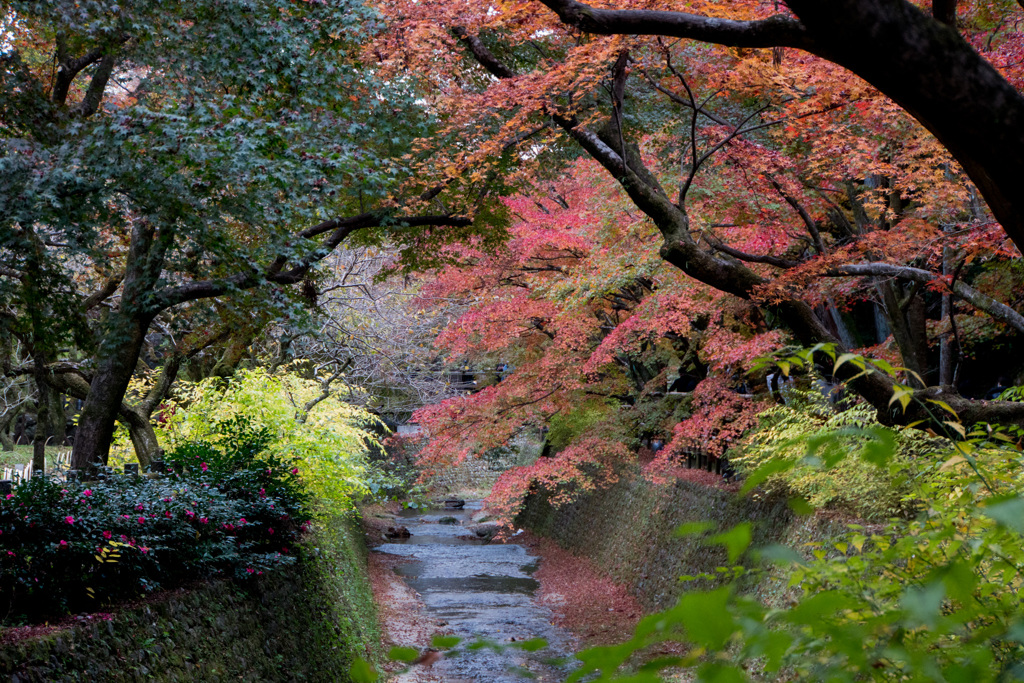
[482, 593]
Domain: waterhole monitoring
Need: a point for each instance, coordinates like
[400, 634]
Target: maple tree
[798, 185]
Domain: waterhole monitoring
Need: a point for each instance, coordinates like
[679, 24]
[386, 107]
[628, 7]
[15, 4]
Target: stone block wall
[303, 623]
[628, 530]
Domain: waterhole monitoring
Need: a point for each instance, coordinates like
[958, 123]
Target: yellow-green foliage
[329, 446]
[786, 433]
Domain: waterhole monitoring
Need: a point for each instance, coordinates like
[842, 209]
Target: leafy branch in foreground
[926, 599]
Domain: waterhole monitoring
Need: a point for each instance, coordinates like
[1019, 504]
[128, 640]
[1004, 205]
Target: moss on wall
[304, 623]
[628, 530]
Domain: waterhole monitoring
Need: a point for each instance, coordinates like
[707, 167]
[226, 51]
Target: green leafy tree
[157, 155]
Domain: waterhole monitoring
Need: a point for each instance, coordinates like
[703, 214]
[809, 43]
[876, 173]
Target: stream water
[483, 593]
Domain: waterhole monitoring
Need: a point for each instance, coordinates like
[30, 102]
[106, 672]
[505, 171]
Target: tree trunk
[947, 352]
[143, 436]
[42, 415]
[58, 418]
[6, 420]
[904, 320]
[116, 360]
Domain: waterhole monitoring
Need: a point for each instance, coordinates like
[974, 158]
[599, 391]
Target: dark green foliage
[229, 512]
[305, 622]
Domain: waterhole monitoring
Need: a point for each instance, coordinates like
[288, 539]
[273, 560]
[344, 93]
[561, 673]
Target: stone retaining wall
[628, 530]
[303, 623]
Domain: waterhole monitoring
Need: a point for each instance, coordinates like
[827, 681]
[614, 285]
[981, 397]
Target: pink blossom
[142, 520]
[87, 492]
[167, 513]
[189, 514]
[11, 553]
[229, 526]
[295, 470]
[69, 519]
[144, 550]
[250, 570]
[140, 507]
[203, 520]
[63, 544]
[203, 466]
[241, 520]
[270, 530]
[106, 534]
[263, 493]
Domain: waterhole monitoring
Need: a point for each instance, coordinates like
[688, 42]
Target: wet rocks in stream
[483, 592]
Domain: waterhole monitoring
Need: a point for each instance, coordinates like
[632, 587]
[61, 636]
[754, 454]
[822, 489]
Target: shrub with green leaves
[798, 439]
[932, 598]
[320, 435]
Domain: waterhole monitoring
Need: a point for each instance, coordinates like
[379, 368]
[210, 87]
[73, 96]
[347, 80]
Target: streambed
[479, 592]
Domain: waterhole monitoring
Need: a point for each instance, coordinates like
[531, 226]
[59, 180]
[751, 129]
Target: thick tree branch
[103, 293]
[94, 94]
[68, 69]
[774, 31]
[483, 56]
[776, 261]
[923, 64]
[945, 11]
[982, 302]
[339, 228]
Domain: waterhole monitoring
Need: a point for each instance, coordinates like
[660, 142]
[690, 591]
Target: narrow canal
[482, 593]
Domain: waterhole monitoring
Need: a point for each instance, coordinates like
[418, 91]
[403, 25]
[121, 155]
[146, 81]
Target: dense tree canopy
[157, 156]
[773, 175]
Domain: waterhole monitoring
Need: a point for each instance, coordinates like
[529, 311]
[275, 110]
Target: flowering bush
[228, 510]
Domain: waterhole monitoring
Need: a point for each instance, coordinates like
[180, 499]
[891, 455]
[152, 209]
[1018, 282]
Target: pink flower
[140, 507]
[69, 519]
[167, 513]
[126, 516]
[203, 520]
[87, 492]
[10, 495]
[144, 550]
[142, 520]
[124, 538]
[295, 470]
[270, 530]
[263, 493]
[106, 534]
[203, 466]
[229, 527]
[249, 570]
[189, 514]
[241, 520]
[63, 544]
[11, 553]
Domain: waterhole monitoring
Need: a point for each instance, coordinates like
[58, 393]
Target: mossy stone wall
[628, 530]
[303, 623]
